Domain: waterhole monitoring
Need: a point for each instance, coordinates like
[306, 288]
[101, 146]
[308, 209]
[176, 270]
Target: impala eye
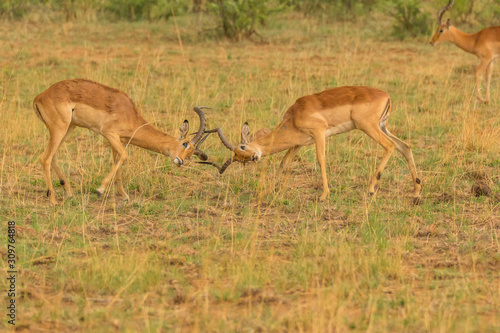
[185, 144]
[441, 31]
[242, 147]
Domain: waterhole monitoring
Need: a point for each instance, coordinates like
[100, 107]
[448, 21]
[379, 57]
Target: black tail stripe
[38, 113]
[387, 108]
[383, 118]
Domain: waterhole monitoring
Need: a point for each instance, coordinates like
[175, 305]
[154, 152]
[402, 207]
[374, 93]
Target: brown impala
[111, 113]
[485, 44]
[314, 118]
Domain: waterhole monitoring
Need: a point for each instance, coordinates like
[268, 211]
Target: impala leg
[56, 136]
[285, 162]
[117, 146]
[119, 181]
[319, 138]
[290, 154]
[479, 74]
[376, 134]
[62, 179]
[405, 150]
[489, 71]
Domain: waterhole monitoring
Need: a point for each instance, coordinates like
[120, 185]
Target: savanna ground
[252, 250]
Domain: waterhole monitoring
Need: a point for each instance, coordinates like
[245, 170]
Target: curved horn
[203, 122]
[225, 165]
[201, 154]
[222, 138]
[220, 168]
[443, 10]
[201, 141]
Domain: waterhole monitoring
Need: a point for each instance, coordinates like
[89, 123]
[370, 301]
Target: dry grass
[251, 251]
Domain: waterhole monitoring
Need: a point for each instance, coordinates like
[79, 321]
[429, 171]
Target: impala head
[185, 147]
[442, 32]
[245, 151]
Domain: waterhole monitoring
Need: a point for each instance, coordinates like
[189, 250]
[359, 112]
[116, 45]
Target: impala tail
[383, 126]
[38, 113]
[385, 116]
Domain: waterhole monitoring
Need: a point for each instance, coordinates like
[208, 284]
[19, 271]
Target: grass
[251, 251]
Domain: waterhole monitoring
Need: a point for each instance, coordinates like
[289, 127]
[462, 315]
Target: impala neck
[283, 137]
[150, 138]
[463, 40]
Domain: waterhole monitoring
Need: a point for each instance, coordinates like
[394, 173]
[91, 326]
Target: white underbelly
[88, 117]
[339, 129]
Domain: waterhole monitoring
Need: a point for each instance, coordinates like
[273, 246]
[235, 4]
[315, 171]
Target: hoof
[98, 192]
[371, 194]
[417, 201]
[62, 182]
[48, 193]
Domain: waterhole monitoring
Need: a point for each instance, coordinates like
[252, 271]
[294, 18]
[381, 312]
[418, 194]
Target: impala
[111, 113]
[485, 44]
[314, 118]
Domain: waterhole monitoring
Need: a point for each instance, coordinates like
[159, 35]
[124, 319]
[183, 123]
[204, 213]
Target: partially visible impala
[314, 118]
[111, 113]
[485, 44]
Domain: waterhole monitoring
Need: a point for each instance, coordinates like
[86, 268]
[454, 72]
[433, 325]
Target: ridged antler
[203, 122]
[443, 10]
[220, 168]
[222, 138]
[225, 165]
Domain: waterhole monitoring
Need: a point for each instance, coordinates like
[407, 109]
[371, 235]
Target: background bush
[409, 20]
[238, 19]
[333, 9]
[134, 10]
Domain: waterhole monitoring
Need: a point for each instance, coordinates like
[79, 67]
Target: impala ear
[183, 130]
[245, 134]
[448, 23]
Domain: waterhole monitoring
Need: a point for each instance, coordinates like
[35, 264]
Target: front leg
[489, 72]
[479, 74]
[319, 138]
[119, 181]
[120, 156]
[290, 154]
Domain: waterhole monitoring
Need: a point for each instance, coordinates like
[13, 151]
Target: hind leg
[376, 134]
[56, 136]
[62, 179]
[405, 150]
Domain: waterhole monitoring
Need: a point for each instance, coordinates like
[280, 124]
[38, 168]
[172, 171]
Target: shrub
[409, 19]
[15, 9]
[135, 10]
[338, 9]
[239, 18]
